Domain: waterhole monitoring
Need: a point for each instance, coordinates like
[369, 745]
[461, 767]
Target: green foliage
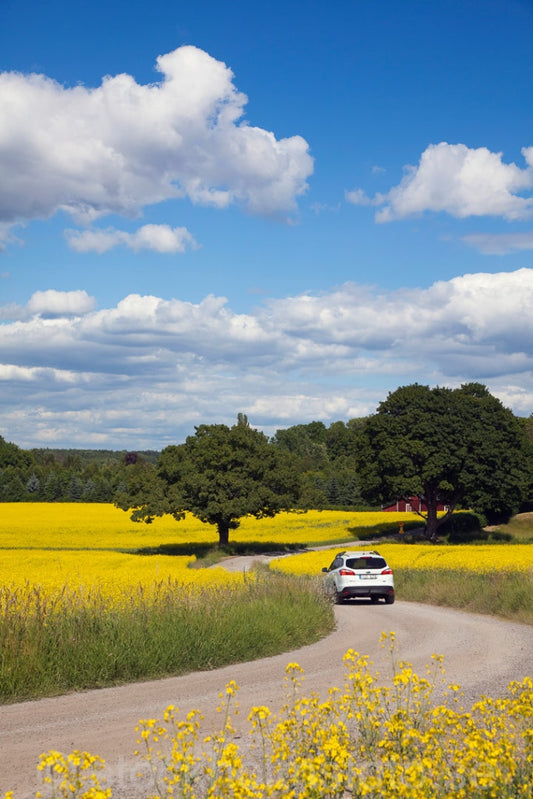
[331, 463]
[82, 458]
[448, 445]
[307, 442]
[519, 528]
[219, 475]
[325, 459]
[11, 455]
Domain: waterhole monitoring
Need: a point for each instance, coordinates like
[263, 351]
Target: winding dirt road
[482, 654]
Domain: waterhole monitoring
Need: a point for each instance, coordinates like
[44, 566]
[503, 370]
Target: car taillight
[346, 573]
[387, 571]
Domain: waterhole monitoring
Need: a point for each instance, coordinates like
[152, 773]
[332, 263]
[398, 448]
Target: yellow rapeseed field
[315, 527]
[478, 558]
[77, 525]
[53, 545]
[111, 573]
[73, 545]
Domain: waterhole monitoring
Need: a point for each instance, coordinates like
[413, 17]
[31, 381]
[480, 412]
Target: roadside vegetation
[77, 639]
[508, 595]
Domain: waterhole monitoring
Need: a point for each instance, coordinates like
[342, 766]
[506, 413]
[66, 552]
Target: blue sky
[286, 209]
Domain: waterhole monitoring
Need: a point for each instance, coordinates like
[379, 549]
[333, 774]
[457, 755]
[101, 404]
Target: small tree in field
[444, 445]
[220, 474]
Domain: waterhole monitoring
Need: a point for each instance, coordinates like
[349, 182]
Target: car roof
[359, 553]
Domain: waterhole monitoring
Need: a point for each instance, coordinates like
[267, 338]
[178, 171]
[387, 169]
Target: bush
[387, 529]
[464, 527]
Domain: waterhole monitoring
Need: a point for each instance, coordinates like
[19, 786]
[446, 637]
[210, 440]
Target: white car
[360, 573]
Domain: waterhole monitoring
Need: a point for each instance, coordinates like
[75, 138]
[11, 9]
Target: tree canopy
[448, 445]
[11, 455]
[220, 474]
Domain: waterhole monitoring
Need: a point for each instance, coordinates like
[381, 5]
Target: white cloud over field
[120, 146]
[460, 181]
[143, 373]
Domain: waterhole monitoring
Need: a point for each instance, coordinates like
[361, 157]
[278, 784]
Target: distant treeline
[64, 475]
[324, 455]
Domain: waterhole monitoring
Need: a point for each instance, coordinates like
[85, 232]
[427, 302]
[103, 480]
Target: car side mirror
[325, 569]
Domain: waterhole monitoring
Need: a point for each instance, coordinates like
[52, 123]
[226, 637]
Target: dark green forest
[325, 458]
[64, 475]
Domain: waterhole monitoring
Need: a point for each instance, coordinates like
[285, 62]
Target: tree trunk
[431, 526]
[223, 533]
[432, 522]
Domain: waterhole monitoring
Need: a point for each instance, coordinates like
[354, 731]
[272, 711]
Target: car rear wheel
[389, 599]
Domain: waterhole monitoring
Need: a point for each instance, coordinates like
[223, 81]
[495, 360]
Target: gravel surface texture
[481, 653]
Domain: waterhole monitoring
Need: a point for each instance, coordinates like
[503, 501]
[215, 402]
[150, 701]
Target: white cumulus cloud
[52, 303]
[460, 181]
[159, 238]
[120, 146]
[358, 197]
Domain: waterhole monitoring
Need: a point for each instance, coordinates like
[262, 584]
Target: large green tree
[444, 445]
[220, 474]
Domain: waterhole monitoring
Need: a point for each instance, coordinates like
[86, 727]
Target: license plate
[367, 577]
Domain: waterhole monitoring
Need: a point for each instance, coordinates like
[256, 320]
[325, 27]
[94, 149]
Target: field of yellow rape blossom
[80, 525]
[80, 544]
[481, 559]
[58, 548]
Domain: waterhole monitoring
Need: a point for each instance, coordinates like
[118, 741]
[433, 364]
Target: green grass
[78, 645]
[520, 528]
[508, 595]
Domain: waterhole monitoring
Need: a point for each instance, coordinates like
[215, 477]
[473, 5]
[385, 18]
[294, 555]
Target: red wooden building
[411, 504]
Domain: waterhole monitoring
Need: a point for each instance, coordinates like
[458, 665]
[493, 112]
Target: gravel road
[482, 654]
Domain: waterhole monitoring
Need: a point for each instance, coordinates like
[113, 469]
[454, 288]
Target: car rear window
[366, 563]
